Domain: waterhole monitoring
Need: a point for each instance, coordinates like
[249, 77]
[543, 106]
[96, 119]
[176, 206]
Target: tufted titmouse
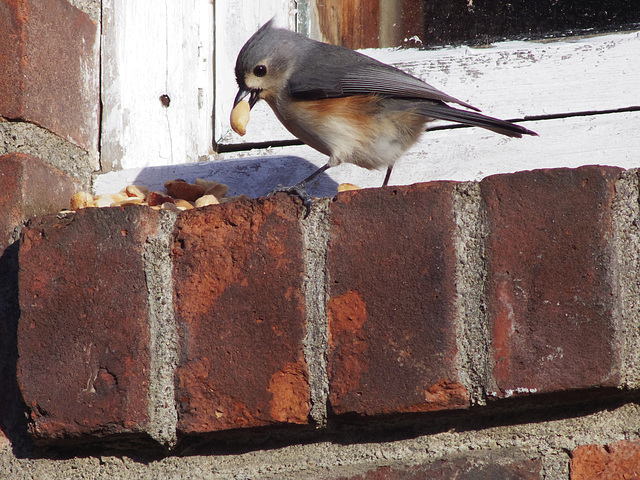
[344, 104]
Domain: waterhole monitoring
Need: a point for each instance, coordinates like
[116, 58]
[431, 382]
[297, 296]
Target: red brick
[238, 274]
[620, 460]
[49, 68]
[392, 336]
[29, 187]
[550, 296]
[459, 468]
[83, 336]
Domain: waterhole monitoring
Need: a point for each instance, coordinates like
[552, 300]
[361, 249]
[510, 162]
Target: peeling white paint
[151, 49]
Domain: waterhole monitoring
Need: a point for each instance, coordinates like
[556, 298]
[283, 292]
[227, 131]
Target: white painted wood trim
[151, 48]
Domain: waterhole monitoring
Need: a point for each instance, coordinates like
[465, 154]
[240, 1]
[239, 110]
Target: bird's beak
[244, 93]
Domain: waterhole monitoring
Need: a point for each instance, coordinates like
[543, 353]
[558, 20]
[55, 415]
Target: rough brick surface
[49, 68]
[29, 187]
[620, 460]
[83, 339]
[549, 279]
[392, 338]
[459, 468]
[238, 277]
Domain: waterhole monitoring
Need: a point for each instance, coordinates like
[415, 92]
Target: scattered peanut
[240, 117]
[345, 187]
[172, 207]
[213, 188]
[181, 203]
[81, 200]
[219, 190]
[137, 191]
[108, 200]
[157, 198]
[207, 200]
[184, 190]
[181, 195]
[206, 184]
[128, 201]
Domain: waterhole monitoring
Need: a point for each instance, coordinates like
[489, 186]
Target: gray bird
[344, 104]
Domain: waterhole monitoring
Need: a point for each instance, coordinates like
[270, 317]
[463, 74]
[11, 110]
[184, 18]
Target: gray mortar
[163, 415]
[315, 231]
[552, 440]
[21, 137]
[626, 273]
[472, 331]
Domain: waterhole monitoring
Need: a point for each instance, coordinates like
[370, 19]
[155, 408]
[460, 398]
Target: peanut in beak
[240, 117]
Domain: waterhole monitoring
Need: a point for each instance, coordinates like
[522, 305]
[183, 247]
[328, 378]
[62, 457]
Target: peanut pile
[180, 195]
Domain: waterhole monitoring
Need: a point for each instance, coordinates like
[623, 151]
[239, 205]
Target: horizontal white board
[457, 154]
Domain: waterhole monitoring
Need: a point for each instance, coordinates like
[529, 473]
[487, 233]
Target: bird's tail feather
[442, 111]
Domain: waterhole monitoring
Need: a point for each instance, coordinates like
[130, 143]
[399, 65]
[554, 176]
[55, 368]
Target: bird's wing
[338, 72]
[392, 82]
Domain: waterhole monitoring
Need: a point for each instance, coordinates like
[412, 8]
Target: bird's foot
[300, 190]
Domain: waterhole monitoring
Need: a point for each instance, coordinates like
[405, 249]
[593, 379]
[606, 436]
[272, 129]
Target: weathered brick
[610, 462]
[238, 273]
[49, 68]
[29, 187]
[459, 468]
[392, 336]
[83, 336]
[550, 296]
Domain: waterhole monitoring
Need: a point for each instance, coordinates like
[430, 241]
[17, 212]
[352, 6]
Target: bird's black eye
[260, 71]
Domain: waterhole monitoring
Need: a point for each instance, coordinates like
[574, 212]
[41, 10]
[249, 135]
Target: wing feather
[333, 71]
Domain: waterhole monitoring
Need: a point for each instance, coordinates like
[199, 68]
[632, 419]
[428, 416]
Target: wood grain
[350, 23]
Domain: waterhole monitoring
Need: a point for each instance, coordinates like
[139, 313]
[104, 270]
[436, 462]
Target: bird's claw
[300, 191]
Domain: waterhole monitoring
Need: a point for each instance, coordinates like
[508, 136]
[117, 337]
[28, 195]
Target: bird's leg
[314, 174]
[386, 177]
[300, 189]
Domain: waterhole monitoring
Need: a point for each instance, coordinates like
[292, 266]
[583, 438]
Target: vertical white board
[152, 48]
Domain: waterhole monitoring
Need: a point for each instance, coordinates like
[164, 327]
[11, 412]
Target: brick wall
[443, 330]
[49, 84]
[430, 331]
